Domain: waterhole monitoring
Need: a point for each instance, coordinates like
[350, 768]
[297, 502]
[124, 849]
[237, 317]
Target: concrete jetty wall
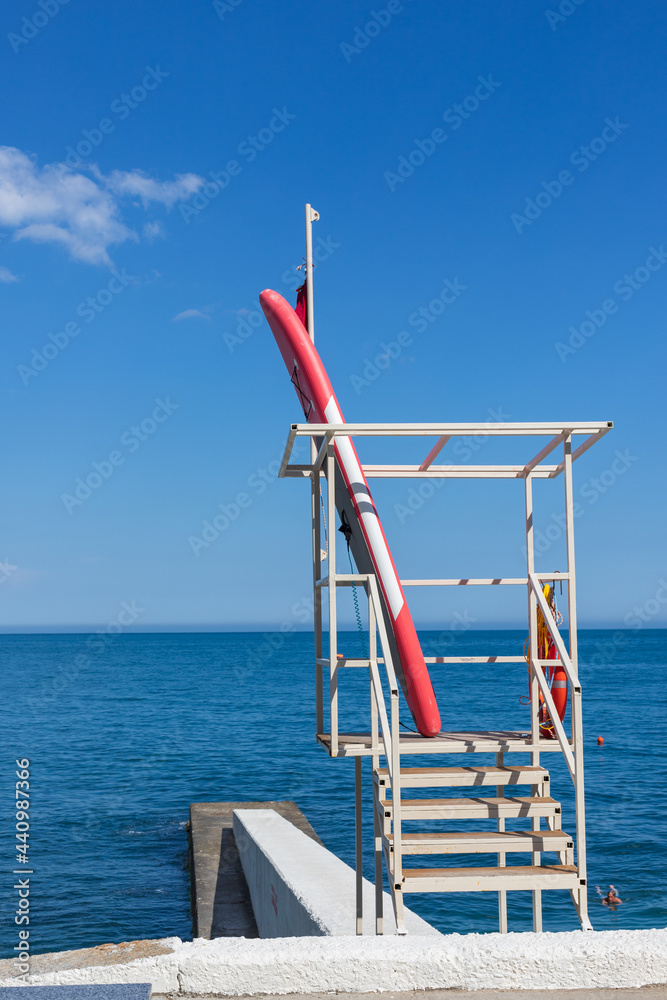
[299, 888]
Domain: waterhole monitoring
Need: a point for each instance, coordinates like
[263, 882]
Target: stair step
[474, 807]
[490, 879]
[475, 842]
[451, 777]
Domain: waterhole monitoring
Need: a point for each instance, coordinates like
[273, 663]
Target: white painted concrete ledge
[299, 888]
[236, 966]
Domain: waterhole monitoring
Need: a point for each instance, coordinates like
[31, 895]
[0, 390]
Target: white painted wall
[236, 966]
[298, 888]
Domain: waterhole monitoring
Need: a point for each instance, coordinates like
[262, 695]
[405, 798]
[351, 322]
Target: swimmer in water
[611, 899]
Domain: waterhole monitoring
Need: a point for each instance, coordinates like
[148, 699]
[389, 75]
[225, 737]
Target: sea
[121, 736]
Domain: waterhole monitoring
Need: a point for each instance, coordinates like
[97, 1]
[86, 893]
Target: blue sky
[156, 159]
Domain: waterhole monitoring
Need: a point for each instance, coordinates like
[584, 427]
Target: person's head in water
[611, 899]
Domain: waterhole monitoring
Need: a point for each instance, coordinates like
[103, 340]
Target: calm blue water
[119, 748]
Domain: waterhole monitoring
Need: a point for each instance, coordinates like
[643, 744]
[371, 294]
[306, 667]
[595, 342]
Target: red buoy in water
[600, 740]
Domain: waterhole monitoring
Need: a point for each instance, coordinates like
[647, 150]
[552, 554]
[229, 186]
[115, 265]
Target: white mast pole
[311, 216]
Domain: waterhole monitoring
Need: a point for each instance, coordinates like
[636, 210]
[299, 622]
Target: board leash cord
[357, 612]
[325, 551]
[346, 530]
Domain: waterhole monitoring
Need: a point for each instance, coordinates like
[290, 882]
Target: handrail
[555, 634]
[537, 671]
[555, 718]
[390, 734]
[382, 712]
[384, 639]
[392, 745]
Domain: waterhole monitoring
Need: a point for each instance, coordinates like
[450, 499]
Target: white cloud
[88, 246]
[153, 230]
[166, 192]
[55, 204]
[190, 314]
[6, 276]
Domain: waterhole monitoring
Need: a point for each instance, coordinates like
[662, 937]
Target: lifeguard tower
[390, 749]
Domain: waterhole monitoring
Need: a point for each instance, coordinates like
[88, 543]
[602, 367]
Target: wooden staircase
[391, 830]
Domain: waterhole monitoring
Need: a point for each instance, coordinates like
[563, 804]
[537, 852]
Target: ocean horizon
[86, 628]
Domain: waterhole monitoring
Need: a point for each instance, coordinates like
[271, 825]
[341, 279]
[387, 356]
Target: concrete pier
[221, 905]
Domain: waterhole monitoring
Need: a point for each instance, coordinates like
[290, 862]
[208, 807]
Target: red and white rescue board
[369, 545]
